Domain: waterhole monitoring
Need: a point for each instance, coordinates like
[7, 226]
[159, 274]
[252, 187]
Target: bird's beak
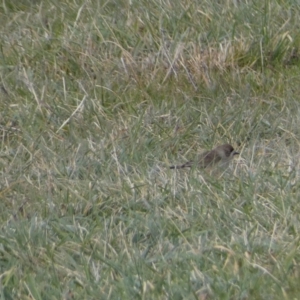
[236, 153]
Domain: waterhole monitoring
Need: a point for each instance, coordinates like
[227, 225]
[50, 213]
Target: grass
[98, 99]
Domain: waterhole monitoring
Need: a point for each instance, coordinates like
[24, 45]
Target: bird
[220, 155]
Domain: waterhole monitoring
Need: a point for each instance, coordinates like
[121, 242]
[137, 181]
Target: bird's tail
[188, 164]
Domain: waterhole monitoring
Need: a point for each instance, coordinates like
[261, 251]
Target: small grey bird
[220, 155]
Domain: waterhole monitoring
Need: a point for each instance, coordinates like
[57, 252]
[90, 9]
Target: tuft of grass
[98, 99]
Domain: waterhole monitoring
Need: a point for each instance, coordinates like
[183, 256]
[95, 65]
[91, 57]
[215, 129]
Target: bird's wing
[209, 158]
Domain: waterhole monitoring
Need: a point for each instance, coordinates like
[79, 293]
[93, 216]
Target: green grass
[98, 98]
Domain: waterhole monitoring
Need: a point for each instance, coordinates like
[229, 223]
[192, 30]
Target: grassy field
[98, 98]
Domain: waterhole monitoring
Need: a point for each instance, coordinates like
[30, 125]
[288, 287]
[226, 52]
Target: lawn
[98, 99]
